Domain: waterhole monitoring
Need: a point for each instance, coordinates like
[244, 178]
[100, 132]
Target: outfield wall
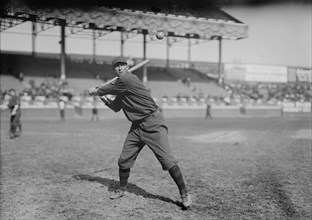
[168, 111]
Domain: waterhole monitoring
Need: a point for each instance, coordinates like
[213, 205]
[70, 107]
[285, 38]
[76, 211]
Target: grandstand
[172, 80]
[9, 82]
[41, 77]
[82, 73]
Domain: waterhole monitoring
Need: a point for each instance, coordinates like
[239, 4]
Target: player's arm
[114, 88]
[115, 104]
[16, 106]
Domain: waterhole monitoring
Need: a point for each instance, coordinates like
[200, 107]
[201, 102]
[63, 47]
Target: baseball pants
[153, 132]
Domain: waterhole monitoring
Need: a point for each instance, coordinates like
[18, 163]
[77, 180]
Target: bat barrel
[139, 65]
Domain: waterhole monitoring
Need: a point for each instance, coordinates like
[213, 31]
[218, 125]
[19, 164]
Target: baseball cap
[119, 60]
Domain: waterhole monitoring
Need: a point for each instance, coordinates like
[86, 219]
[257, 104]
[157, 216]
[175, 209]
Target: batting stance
[148, 126]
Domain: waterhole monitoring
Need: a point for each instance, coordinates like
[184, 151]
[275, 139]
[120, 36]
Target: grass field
[234, 169]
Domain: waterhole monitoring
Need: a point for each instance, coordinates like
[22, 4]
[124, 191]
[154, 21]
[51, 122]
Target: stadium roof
[183, 18]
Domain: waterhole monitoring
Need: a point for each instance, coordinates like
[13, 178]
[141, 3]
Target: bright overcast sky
[278, 34]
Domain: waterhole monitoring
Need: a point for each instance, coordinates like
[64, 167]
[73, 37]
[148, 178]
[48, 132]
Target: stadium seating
[168, 89]
[178, 83]
[9, 82]
[192, 74]
[211, 89]
[80, 85]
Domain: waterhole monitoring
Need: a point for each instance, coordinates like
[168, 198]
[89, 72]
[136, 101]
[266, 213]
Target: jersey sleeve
[14, 100]
[115, 104]
[114, 88]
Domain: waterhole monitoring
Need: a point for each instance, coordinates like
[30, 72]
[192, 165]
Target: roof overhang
[103, 18]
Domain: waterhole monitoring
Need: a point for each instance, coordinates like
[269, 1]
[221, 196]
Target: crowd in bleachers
[234, 93]
[171, 85]
[269, 93]
[50, 88]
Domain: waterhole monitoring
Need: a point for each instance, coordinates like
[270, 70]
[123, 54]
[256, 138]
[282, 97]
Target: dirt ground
[234, 169]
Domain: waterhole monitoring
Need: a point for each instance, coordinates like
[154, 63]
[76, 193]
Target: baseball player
[14, 106]
[62, 106]
[95, 112]
[148, 126]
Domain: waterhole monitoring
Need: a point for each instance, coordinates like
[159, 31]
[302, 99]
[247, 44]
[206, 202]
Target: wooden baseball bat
[144, 62]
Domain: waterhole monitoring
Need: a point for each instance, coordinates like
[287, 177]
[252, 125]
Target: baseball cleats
[186, 200]
[12, 136]
[118, 194]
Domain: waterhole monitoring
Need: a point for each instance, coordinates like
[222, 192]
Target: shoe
[186, 200]
[118, 194]
[12, 136]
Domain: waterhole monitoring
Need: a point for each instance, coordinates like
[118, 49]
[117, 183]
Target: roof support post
[93, 45]
[167, 59]
[122, 42]
[33, 37]
[189, 53]
[63, 53]
[144, 58]
[220, 61]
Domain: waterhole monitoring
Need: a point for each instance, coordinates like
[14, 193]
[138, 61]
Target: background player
[94, 111]
[148, 126]
[14, 105]
[62, 106]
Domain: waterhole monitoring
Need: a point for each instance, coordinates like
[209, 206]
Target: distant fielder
[148, 126]
[14, 106]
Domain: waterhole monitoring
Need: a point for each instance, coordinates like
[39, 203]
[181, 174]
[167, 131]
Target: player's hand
[92, 91]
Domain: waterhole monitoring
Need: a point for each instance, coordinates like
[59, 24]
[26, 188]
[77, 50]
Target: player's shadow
[131, 188]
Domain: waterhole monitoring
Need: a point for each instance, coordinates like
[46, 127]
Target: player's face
[12, 93]
[120, 68]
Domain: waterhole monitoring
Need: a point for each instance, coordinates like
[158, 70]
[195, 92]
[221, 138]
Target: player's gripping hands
[93, 91]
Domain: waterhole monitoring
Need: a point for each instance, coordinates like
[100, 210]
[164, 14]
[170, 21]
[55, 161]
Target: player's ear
[114, 69]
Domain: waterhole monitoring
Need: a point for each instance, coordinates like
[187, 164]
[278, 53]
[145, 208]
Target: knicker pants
[152, 132]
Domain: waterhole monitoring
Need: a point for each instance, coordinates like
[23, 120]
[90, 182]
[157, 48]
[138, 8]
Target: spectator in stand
[21, 76]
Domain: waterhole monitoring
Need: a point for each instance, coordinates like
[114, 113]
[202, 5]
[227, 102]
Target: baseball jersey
[131, 96]
[14, 100]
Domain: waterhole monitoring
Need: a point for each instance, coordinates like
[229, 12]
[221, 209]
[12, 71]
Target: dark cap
[119, 60]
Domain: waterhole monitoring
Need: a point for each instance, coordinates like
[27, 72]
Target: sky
[279, 34]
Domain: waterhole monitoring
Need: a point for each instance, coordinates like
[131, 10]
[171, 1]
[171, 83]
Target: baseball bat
[144, 62]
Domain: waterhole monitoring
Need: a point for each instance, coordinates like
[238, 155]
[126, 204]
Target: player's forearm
[111, 104]
[114, 88]
[16, 107]
[93, 91]
[14, 110]
[99, 91]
